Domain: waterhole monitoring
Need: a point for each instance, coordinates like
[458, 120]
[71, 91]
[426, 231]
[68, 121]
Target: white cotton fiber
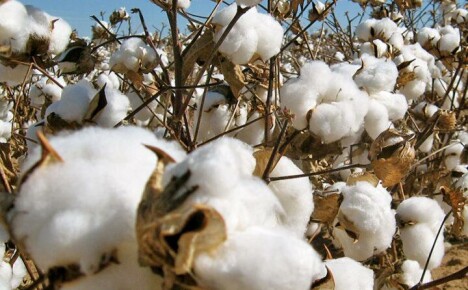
[377, 119]
[14, 20]
[417, 243]
[421, 210]
[295, 195]
[412, 272]
[77, 210]
[116, 109]
[376, 75]
[258, 259]
[368, 209]
[253, 34]
[14, 76]
[349, 274]
[396, 104]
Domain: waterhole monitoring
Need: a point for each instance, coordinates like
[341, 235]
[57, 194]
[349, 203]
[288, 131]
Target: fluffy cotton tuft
[421, 218]
[368, 209]
[133, 55]
[245, 261]
[349, 274]
[253, 34]
[77, 210]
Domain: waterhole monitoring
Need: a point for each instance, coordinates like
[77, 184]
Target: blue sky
[78, 13]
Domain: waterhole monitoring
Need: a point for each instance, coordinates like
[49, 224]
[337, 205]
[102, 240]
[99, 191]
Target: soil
[455, 259]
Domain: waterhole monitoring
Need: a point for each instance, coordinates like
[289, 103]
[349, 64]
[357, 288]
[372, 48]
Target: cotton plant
[95, 178]
[326, 102]
[255, 35]
[420, 219]
[411, 272]
[383, 29]
[45, 91]
[75, 103]
[366, 221]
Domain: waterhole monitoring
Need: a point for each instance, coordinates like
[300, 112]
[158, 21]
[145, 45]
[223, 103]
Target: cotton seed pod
[391, 157]
[447, 120]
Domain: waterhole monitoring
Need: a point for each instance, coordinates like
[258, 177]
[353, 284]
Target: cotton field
[264, 145]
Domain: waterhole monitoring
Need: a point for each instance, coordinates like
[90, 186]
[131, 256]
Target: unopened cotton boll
[77, 210]
[368, 209]
[258, 259]
[295, 195]
[349, 274]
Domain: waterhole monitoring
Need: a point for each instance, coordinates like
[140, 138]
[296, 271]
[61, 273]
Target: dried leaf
[262, 157]
[455, 198]
[327, 205]
[135, 78]
[199, 52]
[447, 120]
[362, 176]
[55, 123]
[326, 283]
[97, 104]
[405, 77]
[232, 75]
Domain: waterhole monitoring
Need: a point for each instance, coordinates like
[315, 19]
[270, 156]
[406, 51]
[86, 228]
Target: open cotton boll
[376, 120]
[133, 54]
[110, 79]
[116, 109]
[296, 96]
[396, 104]
[60, 36]
[253, 134]
[452, 155]
[5, 131]
[412, 273]
[270, 36]
[295, 195]
[6, 274]
[44, 89]
[77, 210]
[421, 210]
[14, 21]
[376, 75]
[145, 113]
[225, 15]
[74, 101]
[368, 209]
[428, 37]
[258, 259]
[449, 42]
[349, 274]
[417, 243]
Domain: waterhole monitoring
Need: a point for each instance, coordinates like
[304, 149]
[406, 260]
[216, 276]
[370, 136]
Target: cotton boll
[421, 210]
[332, 121]
[183, 4]
[270, 36]
[349, 274]
[19, 271]
[116, 109]
[95, 192]
[295, 195]
[296, 97]
[74, 102]
[412, 273]
[376, 120]
[363, 30]
[396, 104]
[14, 20]
[413, 89]
[376, 75]
[60, 36]
[428, 37]
[368, 209]
[225, 15]
[247, 46]
[145, 113]
[449, 42]
[452, 155]
[110, 79]
[255, 133]
[245, 261]
[426, 146]
[417, 243]
[5, 131]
